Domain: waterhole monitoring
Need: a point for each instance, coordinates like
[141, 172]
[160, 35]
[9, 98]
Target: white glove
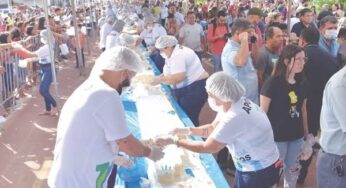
[156, 153]
[123, 161]
[155, 81]
[165, 140]
[180, 131]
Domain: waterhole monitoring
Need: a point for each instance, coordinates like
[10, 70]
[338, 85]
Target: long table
[133, 121]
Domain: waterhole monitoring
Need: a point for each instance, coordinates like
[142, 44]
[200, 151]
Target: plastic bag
[306, 149]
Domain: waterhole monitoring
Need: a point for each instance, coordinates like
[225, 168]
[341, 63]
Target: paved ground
[27, 139]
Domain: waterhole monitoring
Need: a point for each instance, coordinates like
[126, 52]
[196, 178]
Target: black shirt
[285, 107]
[299, 27]
[318, 69]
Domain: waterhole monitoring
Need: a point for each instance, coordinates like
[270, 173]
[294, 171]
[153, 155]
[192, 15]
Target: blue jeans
[191, 99]
[46, 80]
[327, 168]
[264, 178]
[289, 152]
[217, 62]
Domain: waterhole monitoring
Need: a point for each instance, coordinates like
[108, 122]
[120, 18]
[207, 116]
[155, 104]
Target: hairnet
[166, 41]
[118, 26]
[117, 59]
[127, 40]
[44, 36]
[149, 19]
[110, 19]
[224, 87]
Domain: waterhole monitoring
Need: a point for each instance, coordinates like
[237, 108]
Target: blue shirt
[246, 74]
[332, 50]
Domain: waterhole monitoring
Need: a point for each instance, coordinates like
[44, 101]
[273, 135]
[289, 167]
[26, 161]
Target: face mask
[150, 28]
[331, 34]
[123, 84]
[214, 106]
[163, 55]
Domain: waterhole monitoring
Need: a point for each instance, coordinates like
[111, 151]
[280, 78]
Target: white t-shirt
[247, 133]
[43, 54]
[104, 31]
[179, 17]
[112, 39]
[183, 59]
[163, 12]
[150, 36]
[192, 36]
[91, 120]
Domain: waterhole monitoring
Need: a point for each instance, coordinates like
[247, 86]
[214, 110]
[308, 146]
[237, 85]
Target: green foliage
[320, 3]
[200, 1]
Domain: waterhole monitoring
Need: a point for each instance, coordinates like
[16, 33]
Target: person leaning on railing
[43, 56]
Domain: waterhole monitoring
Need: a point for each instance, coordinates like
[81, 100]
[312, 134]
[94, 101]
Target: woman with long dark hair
[283, 98]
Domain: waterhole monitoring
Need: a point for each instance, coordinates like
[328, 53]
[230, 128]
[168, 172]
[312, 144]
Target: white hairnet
[127, 40]
[134, 17]
[44, 36]
[224, 87]
[149, 19]
[110, 19]
[117, 59]
[166, 41]
[118, 26]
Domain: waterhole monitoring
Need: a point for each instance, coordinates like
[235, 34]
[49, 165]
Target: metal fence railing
[16, 75]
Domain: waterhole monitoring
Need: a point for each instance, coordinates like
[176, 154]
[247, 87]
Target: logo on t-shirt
[293, 108]
[246, 106]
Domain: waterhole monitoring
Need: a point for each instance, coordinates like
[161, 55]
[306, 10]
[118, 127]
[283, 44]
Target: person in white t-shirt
[184, 72]
[112, 37]
[43, 56]
[92, 127]
[192, 35]
[172, 9]
[163, 13]
[105, 30]
[241, 126]
[152, 31]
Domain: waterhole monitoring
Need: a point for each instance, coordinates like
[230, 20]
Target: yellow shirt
[156, 10]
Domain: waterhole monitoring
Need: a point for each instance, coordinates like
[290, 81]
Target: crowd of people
[277, 83]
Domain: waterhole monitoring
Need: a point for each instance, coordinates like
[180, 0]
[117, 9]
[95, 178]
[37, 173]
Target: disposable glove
[123, 161]
[156, 153]
[165, 140]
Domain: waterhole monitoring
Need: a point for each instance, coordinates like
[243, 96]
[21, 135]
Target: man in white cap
[92, 127]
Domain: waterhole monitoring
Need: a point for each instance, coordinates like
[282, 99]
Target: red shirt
[217, 45]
